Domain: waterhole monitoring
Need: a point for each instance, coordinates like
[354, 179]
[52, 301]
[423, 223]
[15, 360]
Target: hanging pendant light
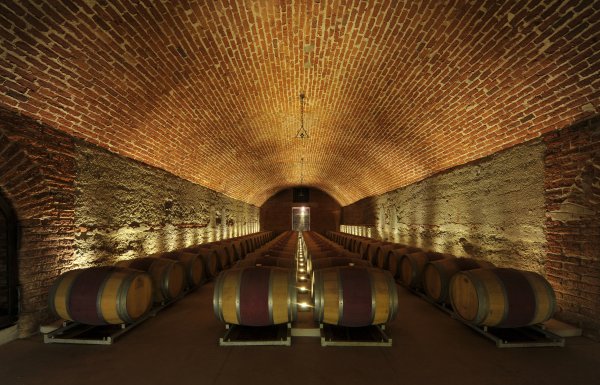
[302, 133]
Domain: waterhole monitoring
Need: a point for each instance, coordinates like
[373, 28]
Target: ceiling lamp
[302, 133]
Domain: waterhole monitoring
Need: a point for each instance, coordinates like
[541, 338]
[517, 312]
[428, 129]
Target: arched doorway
[8, 264]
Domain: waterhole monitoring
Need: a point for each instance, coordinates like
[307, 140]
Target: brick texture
[276, 212]
[396, 90]
[573, 222]
[37, 172]
[79, 205]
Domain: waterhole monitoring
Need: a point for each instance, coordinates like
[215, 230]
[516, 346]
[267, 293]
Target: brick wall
[408, 88]
[78, 205]
[37, 172]
[276, 212]
[572, 184]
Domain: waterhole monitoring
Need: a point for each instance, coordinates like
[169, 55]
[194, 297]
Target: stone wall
[491, 209]
[124, 209]
[573, 222]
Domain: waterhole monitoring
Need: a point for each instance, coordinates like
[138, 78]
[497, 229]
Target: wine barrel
[412, 265]
[437, 275]
[287, 263]
[502, 297]
[323, 263]
[194, 266]
[104, 295]
[255, 296]
[229, 251]
[372, 250]
[240, 249]
[168, 276]
[221, 252]
[382, 255]
[354, 296]
[209, 258]
[363, 245]
[395, 256]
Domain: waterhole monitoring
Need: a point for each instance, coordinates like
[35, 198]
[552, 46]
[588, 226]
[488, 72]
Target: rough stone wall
[276, 212]
[491, 209]
[126, 209]
[573, 222]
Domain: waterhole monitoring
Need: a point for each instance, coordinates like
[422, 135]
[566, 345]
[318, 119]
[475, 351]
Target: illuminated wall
[125, 209]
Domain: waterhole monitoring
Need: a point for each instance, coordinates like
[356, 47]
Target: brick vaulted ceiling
[208, 90]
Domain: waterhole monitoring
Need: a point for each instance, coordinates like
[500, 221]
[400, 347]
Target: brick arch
[32, 179]
[21, 180]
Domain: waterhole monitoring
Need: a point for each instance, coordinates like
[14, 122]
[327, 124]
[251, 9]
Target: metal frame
[524, 337]
[76, 333]
[239, 335]
[330, 336]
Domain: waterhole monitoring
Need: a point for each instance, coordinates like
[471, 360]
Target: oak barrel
[382, 254]
[223, 257]
[371, 251]
[354, 296]
[394, 257]
[323, 263]
[209, 257]
[104, 295]
[412, 265]
[255, 296]
[168, 276]
[437, 275]
[502, 297]
[265, 260]
[193, 264]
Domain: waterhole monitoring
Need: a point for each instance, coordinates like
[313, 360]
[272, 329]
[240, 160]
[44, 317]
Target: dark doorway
[8, 264]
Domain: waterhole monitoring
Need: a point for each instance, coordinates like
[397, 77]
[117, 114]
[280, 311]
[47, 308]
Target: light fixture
[302, 133]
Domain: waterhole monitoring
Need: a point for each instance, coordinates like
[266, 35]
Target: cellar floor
[179, 346]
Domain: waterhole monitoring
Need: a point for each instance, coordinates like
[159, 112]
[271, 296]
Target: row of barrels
[261, 289]
[124, 293]
[478, 292]
[347, 290]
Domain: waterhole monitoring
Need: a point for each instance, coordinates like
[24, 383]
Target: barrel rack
[522, 337]
[77, 333]
[238, 335]
[374, 335]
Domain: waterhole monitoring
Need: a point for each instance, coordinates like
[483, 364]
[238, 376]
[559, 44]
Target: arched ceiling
[208, 90]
